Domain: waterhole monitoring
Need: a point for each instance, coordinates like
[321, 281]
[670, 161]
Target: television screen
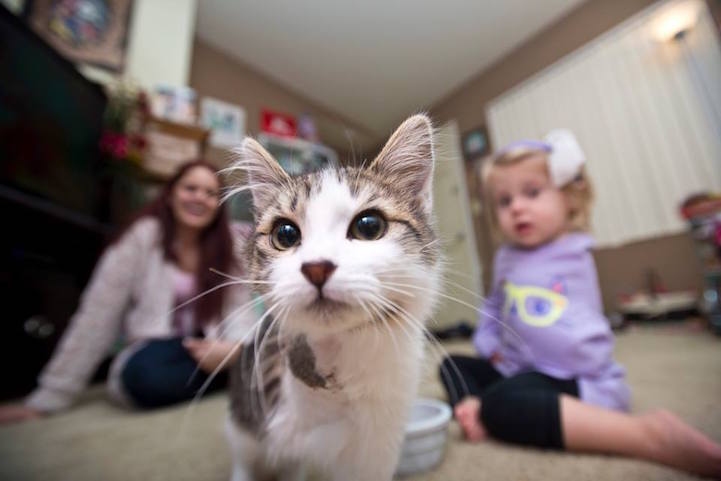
[50, 121]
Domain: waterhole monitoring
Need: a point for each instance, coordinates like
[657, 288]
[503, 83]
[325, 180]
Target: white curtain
[647, 114]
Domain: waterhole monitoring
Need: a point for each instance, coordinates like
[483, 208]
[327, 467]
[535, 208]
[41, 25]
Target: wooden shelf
[171, 144]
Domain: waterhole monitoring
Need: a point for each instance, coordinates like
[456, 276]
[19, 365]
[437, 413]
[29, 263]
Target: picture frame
[15, 6]
[92, 32]
[226, 122]
[475, 143]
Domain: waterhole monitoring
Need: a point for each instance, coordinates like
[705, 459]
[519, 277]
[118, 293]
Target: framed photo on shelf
[92, 32]
[171, 144]
[226, 122]
[475, 143]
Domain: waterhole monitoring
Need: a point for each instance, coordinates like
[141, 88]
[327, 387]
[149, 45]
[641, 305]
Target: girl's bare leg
[658, 436]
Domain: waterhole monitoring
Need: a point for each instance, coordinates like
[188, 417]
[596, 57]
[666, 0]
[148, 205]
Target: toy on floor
[703, 213]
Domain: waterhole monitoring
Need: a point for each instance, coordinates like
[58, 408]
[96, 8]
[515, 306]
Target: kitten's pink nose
[318, 272]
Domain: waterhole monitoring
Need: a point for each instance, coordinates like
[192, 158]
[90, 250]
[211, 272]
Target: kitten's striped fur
[332, 370]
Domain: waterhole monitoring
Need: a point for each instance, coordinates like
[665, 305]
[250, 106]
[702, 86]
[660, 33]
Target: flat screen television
[50, 121]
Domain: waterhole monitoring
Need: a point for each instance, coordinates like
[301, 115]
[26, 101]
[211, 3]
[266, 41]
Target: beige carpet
[676, 367]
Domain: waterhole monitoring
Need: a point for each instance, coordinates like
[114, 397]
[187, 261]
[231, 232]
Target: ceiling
[373, 62]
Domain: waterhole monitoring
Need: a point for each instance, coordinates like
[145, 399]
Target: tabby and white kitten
[347, 264]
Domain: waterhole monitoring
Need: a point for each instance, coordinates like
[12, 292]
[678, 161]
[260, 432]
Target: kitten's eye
[368, 225]
[285, 235]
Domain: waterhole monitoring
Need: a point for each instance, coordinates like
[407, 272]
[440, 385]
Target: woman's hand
[211, 353]
[12, 413]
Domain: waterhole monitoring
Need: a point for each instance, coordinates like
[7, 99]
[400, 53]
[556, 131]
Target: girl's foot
[677, 444]
[467, 414]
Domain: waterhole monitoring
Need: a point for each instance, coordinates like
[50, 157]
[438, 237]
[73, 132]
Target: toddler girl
[546, 376]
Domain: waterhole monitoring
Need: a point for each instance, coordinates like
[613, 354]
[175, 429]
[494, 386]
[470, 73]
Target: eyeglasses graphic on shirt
[534, 305]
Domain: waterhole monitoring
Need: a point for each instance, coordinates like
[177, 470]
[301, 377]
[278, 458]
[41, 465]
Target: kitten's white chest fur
[348, 269]
[362, 414]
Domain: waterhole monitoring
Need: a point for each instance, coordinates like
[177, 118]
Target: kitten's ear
[406, 161]
[265, 175]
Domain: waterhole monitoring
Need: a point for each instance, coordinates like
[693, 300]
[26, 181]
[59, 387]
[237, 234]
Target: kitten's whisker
[385, 323]
[376, 336]
[384, 283]
[434, 241]
[464, 289]
[258, 371]
[502, 324]
[235, 278]
[360, 170]
[202, 294]
[230, 192]
[258, 345]
[363, 306]
[443, 354]
[359, 284]
[256, 405]
[400, 291]
[349, 137]
[465, 275]
[225, 360]
[436, 344]
[270, 332]
[193, 403]
[227, 323]
[282, 319]
[221, 330]
[443, 279]
[404, 270]
[371, 318]
[396, 309]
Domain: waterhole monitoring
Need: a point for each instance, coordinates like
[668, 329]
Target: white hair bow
[566, 157]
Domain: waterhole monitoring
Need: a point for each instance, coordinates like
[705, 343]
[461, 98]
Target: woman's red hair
[216, 243]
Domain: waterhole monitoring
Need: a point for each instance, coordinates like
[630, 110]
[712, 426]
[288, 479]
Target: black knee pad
[523, 417]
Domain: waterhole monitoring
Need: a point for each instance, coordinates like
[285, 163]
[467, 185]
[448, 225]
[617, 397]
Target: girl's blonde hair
[578, 192]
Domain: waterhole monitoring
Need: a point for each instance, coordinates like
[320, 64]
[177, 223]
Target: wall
[623, 268]
[216, 74]
[161, 39]
[160, 44]
[467, 103]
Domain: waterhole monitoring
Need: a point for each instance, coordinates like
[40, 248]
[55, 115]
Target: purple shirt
[544, 314]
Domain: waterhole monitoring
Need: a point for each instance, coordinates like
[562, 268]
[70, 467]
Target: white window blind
[647, 114]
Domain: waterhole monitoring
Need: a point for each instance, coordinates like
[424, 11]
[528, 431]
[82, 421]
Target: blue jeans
[162, 373]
